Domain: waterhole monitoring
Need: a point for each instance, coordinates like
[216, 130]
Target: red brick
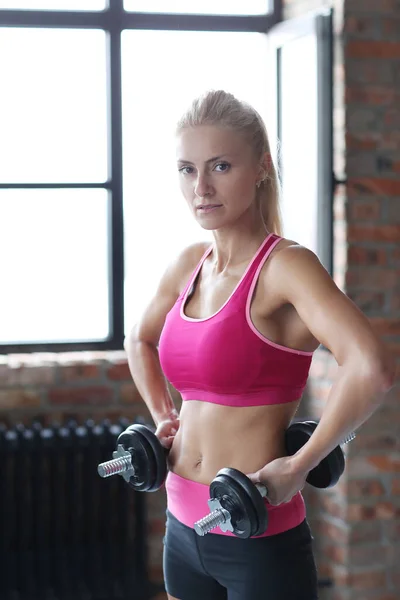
[391, 27]
[385, 463]
[360, 25]
[129, 394]
[372, 49]
[365, 532]
[359, 255]
[386, 510]
[373, 233]
[391, 118]
[371, 6]
[395, 257]
[374, 185]
[119, 372]
[385, 326]
[371, 278]
[365, 210]
[359, 512]
[79, 372]
[331, 531]
[373, 442]
[19, 398]
[371, 95]
[368, 301]
[364, 555]
[28, 375]
[396, 486]
[371, 579]
[362, 141]
[365, 487]
[333, 508]
[337, 554]
[93, 395]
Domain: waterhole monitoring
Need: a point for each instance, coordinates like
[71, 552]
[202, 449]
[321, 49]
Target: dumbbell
[140, 458]
[237, 504]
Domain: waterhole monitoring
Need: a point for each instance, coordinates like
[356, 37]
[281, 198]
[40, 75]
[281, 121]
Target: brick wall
[357, 523]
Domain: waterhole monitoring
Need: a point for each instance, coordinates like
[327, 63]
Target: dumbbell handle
[220, 515]
[121, 463]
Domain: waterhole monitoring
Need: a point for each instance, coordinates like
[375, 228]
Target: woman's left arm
[366, 370]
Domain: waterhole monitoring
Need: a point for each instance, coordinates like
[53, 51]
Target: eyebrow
[210, 160]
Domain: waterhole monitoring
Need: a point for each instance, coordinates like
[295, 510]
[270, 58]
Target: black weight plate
[143, 459]
[160, 456]
[232, 497]
[254, 495]
[329, 470]
[297, 435]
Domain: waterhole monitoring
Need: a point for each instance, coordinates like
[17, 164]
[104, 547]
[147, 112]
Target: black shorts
[219, 567]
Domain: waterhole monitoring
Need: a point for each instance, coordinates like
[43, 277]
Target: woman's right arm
[141, 345]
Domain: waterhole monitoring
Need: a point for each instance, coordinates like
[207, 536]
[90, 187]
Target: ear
[265, 165]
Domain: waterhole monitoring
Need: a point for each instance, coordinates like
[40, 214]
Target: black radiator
[65, 533]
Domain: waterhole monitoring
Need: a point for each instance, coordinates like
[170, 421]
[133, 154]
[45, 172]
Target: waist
[264, 397]
[187, 501]
[213, 436]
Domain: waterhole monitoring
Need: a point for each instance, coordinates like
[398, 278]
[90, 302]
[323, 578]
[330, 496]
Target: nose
[202, 186]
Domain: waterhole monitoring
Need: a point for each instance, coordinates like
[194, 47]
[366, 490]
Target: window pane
[54, 265]
[53, 106]
[54, 4]
[212, 7]
[299, 140]
[158, 223]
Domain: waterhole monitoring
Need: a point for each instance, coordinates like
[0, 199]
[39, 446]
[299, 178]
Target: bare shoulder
[299, 278]
[290, 258]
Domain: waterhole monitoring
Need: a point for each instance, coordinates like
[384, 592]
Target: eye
[186, 170]
[222, 167]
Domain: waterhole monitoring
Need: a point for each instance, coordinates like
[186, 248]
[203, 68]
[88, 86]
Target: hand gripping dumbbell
[140, 458]
[237, 504]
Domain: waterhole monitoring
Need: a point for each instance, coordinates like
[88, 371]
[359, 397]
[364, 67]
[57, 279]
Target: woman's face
[218, 173]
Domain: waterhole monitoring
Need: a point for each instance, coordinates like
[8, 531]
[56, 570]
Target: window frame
[114, 19]
[319, 24]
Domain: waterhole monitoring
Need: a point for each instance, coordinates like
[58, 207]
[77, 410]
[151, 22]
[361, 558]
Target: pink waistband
[187, 501]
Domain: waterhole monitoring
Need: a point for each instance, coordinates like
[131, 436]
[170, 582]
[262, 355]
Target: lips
[208, 206]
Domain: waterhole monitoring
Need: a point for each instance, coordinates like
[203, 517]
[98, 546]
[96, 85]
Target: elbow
[381, 372]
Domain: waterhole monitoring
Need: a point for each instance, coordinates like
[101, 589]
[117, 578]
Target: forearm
[145, 368]
[353, 398]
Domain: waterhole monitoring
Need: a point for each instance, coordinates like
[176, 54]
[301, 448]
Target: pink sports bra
[224, 359]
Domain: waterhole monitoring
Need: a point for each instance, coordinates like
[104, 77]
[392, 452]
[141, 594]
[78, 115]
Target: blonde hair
[217, 107]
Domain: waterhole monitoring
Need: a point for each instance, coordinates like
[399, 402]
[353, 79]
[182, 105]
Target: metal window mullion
[115, 176]
[115, 17]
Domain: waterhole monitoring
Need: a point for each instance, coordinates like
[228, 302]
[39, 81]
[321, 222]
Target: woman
[233, 326]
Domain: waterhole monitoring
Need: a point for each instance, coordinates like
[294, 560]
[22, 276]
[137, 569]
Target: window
[301, 60]
[55, 265]
[214, 7]
[90, 210]
[53, 4]
[53, 106]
